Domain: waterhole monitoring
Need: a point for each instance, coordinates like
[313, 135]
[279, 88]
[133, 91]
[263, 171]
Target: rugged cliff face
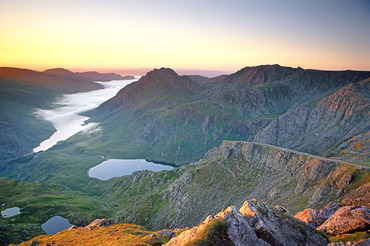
[335, 123]
[230, 174]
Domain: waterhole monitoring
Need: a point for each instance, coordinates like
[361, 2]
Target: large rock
[277, 226]
[256, 224]
[317, 217]
[347, 219]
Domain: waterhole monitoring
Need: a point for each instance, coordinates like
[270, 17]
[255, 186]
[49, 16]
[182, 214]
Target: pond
[55, 225]
[9, 212]
[119, 167]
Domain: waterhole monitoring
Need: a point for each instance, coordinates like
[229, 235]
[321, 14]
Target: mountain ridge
[164, 109]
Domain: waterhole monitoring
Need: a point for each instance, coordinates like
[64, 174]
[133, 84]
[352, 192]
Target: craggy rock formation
[346, 220]
[325, 127]
[316, 217]
[257, 224]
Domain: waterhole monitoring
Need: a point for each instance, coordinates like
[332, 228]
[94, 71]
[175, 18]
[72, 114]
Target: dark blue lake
[55, 225]
[118, 167]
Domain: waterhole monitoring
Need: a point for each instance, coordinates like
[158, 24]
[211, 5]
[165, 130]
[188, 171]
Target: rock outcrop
[347, 219]
[316, 217]
[255, 224]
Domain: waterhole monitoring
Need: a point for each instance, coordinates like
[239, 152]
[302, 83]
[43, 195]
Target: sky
[222, 35]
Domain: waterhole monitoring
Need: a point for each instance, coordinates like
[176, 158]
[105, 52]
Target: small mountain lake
[55, 225]
[120, 167]
[9, 212]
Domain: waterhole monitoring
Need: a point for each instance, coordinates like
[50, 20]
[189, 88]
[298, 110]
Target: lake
[55, 225]
[65, 114]
[120, 167]
[9, 212]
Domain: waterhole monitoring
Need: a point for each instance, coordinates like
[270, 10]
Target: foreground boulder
[346, 220]
[255, 223]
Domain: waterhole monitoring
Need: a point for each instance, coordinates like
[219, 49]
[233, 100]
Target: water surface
[9, 212]
[65, 115]
[55, 225]
[120, 167]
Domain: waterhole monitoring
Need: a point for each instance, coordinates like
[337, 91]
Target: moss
[323, 234]
[353, 237]
[215, 233]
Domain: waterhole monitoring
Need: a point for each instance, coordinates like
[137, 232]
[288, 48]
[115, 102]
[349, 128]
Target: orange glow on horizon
[39, 35]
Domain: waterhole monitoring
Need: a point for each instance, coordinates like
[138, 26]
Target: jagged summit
[162, 73]
[164, 84]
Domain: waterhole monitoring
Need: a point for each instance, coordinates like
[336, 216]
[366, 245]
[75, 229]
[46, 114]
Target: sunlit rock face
[255, 223]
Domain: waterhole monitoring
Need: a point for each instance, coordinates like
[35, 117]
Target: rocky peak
[165, 85]
[255, 223]
[162, 74]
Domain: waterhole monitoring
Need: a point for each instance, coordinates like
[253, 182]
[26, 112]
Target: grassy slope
[39, 202]
[121, 234]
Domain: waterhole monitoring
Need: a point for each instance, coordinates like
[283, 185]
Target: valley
[284, 136]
